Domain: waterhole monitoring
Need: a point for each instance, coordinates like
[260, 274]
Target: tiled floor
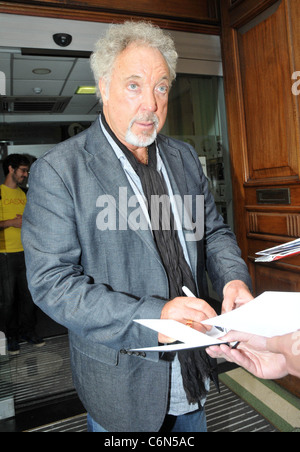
[40, 381]
[225, 413]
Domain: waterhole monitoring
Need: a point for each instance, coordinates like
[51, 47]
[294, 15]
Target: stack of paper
[270, 314]
[279, 252]
[189, 337]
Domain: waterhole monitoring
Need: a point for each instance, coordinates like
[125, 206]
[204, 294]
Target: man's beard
[18, 180]
[144, 139]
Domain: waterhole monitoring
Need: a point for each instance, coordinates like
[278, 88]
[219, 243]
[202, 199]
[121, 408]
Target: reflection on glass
[197, 116]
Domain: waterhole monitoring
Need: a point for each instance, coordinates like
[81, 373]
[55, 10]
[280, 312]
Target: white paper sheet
[270, 314]
[179, 332]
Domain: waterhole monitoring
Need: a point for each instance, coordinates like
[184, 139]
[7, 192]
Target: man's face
[20, 174]
[136, 101]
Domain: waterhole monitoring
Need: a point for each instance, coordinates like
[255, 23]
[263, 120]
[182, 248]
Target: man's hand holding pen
[191, 311]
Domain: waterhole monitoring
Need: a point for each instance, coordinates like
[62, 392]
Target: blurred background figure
[17, 310]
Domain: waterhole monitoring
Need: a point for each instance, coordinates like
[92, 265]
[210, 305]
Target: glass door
[197, 116]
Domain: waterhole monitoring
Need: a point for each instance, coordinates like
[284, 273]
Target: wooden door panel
[271, 278]
[259, 54]
[265, 68]
[274, 223]
[261, 42]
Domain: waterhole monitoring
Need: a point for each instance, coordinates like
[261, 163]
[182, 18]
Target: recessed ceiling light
[41, 71]
[86, 90]
[37, 90]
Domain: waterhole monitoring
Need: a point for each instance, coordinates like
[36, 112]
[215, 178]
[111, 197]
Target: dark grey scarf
[196, 365]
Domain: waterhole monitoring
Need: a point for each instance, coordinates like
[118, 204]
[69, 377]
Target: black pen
[235, 346]
[188, 293]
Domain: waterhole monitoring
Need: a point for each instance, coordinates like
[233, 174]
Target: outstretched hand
[252, 355]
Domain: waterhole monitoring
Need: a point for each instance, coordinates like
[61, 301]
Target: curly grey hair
[120, 36]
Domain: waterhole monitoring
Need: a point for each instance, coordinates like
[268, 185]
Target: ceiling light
[37, 90]
[86, 90]
[41, 71]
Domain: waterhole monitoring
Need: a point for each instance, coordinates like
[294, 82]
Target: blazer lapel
[173, 162]
[110, 175]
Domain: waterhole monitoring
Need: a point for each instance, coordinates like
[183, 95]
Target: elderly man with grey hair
[101, 253]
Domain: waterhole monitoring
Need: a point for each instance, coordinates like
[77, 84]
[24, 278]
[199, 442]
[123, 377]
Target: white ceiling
[63, 80]
[198, 54]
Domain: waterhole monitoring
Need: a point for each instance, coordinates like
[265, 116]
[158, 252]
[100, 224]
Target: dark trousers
[17, 310]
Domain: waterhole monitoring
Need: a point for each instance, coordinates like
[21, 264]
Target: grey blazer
[96, 282]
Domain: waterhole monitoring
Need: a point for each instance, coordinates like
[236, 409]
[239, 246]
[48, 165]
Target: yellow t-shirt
[12, 203]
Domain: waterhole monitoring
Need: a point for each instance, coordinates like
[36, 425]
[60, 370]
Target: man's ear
[103, 90]
[11, 169]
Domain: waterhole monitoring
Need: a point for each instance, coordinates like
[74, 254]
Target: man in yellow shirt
[17, 310]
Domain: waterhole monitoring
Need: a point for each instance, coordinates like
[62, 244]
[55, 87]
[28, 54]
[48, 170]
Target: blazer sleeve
[57, 281]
